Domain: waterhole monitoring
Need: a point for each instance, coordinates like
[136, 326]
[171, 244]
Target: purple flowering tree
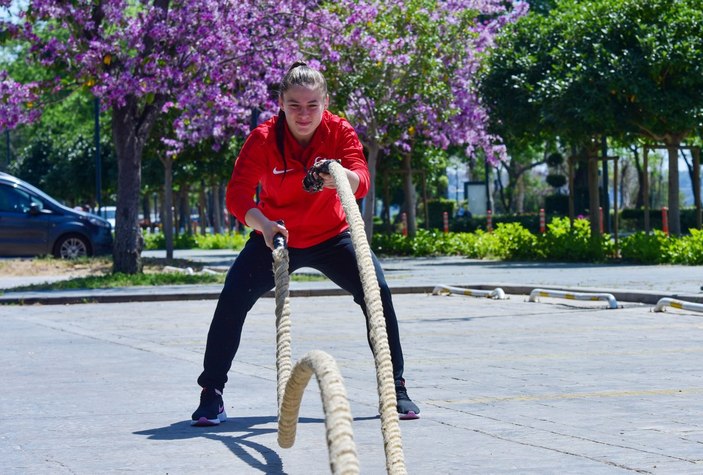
[206, 63]
[401, 71]
[19, 102]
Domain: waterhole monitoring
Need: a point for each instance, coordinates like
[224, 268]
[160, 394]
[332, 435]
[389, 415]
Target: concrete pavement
[505, 386]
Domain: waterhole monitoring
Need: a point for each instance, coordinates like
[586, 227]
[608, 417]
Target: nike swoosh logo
[276, 171]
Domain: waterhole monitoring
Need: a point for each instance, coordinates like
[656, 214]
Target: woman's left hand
[328, 180]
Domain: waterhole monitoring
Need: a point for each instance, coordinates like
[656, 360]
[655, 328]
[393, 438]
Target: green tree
[616, 68]
[57, 153]
[400, 71]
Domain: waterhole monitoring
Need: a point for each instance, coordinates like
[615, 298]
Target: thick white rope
[292, 383]
[338, 418]
[283, 322]
[390, 427]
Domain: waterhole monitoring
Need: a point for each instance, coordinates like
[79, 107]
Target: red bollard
[542, 221]
[600, 214]
[489, 221]
[404, 218]
[665, 220]
[445, 219]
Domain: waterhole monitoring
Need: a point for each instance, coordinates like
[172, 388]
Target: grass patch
[109, 281]
[152, 277]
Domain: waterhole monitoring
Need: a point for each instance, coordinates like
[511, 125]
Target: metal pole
[645, 186]
[488, 185]
[696, 152]
[606, 199]
[98, 163]
[615, 206]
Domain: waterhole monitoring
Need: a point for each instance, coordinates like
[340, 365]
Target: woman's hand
[256, 220]
[270, 229]
[328, 180]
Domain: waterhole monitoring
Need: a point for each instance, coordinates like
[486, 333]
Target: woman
[278, 154]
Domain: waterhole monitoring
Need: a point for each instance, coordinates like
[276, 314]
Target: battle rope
[292, 382]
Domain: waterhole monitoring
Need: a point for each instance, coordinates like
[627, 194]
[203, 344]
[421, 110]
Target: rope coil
[291, 381]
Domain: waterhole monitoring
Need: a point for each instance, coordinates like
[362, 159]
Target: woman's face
[303, 107]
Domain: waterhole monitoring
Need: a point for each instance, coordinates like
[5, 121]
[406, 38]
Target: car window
[14, 200]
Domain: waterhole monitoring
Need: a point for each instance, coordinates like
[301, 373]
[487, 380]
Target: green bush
[462, 244]
[229, 240]
[394, 244]
[426, 243]
[515, 242]
[646, 248]
[486, 245]
[509, 241]
[658, 248]
[687, 249]
[562, 242]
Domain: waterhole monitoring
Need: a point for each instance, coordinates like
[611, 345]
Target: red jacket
[310, 218]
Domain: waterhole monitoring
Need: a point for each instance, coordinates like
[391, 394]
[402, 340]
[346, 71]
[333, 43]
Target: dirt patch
[41, 267]
[81, 267]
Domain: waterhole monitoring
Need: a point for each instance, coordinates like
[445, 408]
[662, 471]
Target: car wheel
[72, 247]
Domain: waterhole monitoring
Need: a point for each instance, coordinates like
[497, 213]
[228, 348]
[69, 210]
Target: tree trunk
[184, 208]
[674, 210]
[409, 193]
[216, 209]
[370, 200]
[168, 205]
[129, 146]
[593, 198]
[519, 196]
[387, 204]
[506, 195]
[639, 202]
[202, 207]
[131, 127]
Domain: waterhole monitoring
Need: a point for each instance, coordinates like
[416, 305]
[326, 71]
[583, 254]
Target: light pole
[488, 184]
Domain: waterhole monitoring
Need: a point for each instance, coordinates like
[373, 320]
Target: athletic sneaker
[211, 410]
[406, 408]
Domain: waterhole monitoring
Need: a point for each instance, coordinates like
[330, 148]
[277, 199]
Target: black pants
[251, 276]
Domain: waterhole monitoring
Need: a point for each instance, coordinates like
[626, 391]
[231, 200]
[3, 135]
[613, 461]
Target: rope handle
[279, 240]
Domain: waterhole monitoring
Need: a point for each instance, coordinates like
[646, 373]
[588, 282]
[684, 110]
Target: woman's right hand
[270, 229]
[256, 220]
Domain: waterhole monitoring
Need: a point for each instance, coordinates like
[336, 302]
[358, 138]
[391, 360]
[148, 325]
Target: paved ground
[505, 386]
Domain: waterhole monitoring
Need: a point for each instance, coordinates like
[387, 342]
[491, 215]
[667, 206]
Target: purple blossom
[208, 63]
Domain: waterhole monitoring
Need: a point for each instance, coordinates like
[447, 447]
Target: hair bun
[297, 64]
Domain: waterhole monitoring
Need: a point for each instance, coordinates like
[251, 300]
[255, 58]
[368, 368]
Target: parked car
[32, 224]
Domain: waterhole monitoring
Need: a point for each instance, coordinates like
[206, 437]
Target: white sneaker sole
[205, 422]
